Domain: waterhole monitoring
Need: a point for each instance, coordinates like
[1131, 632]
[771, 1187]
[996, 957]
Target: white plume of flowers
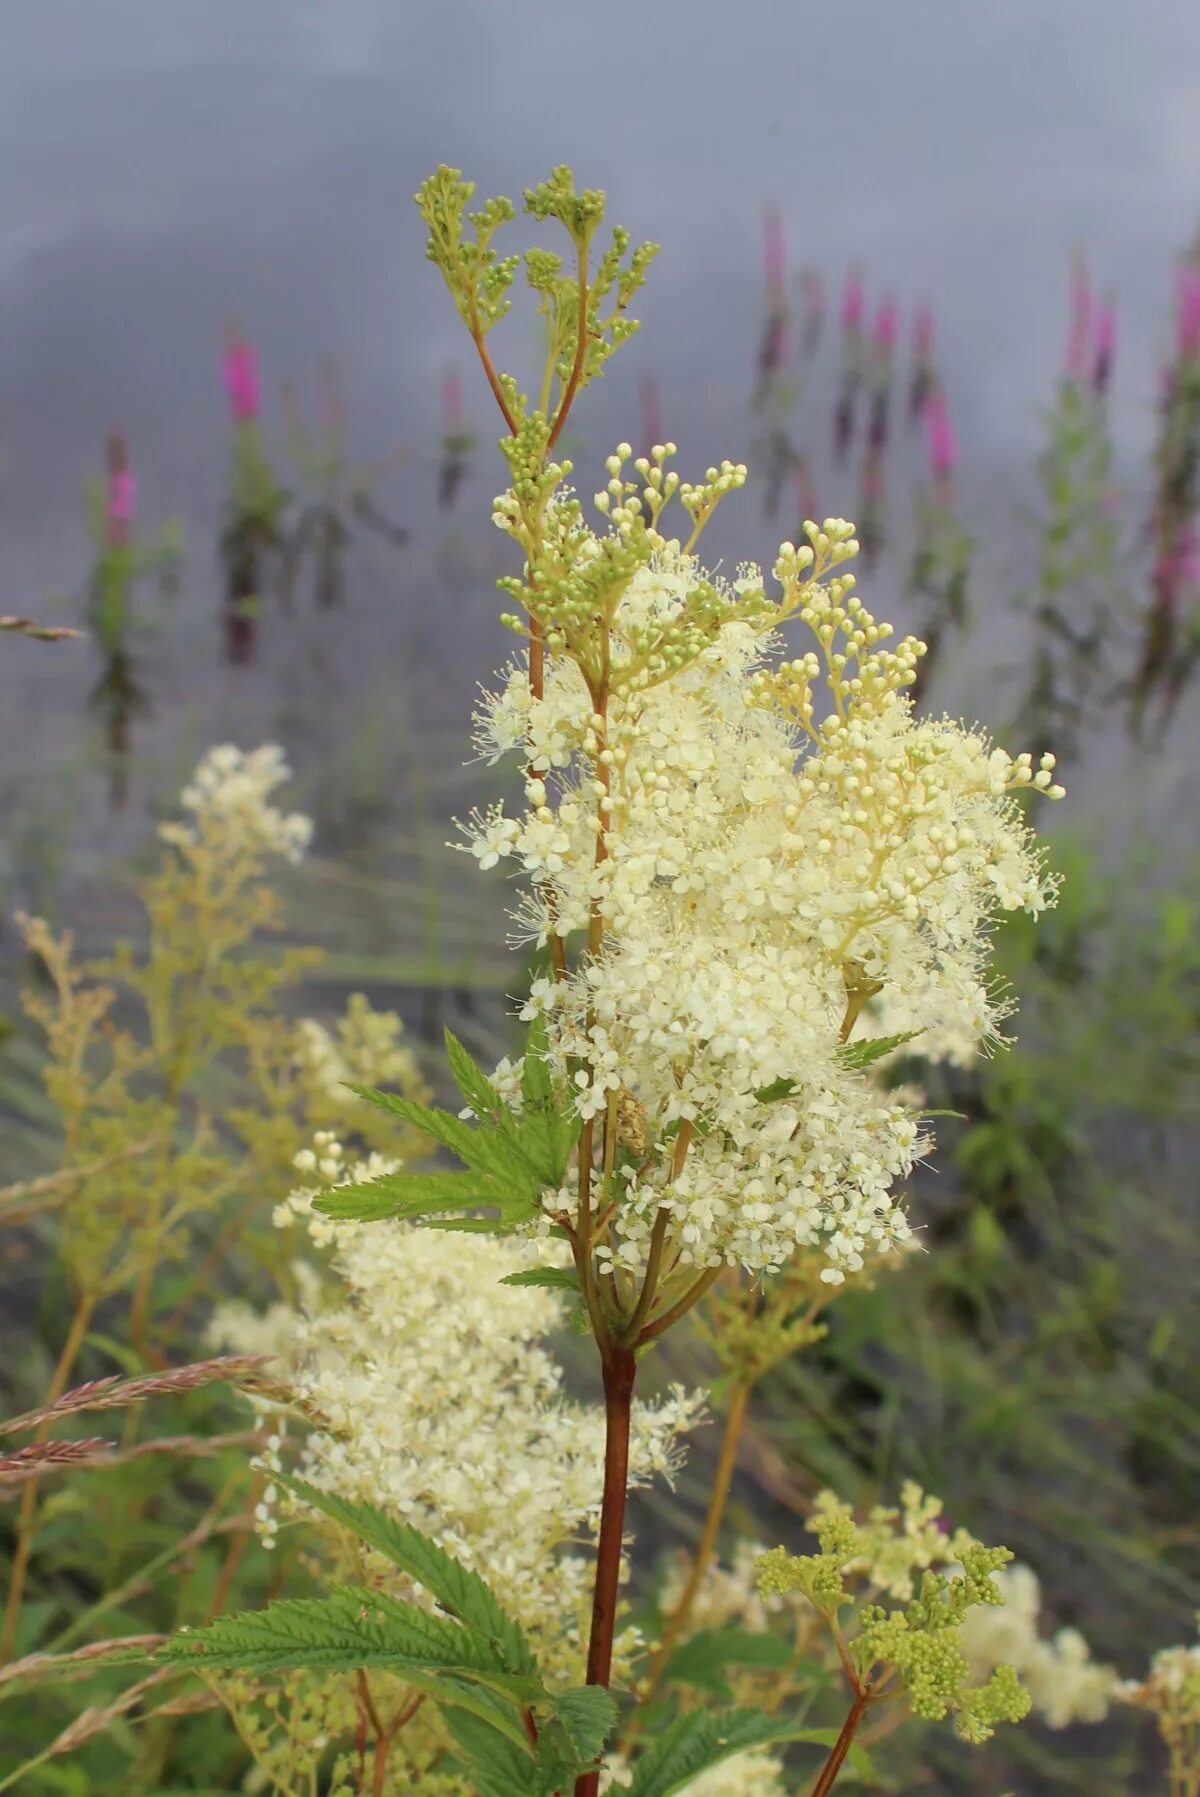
[442, 1406]
[228, 796]
[1058, 1671]
[364, 1049]
[753, 880]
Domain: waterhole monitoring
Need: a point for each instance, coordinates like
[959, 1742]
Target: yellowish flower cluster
[365, 1049]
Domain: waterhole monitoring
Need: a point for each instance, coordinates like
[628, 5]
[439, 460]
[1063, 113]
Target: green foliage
[513, 1154]
[915, 1647]
[584, 311]
[706, 1659]
[460, 1592]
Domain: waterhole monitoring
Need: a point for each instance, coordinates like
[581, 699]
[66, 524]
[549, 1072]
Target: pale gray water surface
[161, 166]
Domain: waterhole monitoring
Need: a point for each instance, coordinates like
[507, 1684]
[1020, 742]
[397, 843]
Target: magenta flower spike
[1079, 337]
[1187, 283]
[120, 500]
[943, 447]
[853, 303]
[887, 324]
[774, 257]
[242, 386]
[1104, 347]
[122, 497]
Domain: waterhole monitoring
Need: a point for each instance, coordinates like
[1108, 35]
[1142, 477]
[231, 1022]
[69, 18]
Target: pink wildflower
[1187, 287]
[773, 251]
[1079, 337]
[853, 302]
[241, 378]
[887, 324]
[943, 447]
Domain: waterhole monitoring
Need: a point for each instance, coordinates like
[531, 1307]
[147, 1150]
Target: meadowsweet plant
[154, 1164]
[1170, 1692]
[910, 1650]
[749, 873]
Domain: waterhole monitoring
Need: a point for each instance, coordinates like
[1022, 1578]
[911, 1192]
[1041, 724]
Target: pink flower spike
[241, 379]
[1079, 338]
[943, 449]
[1188, 292]
[122, 497]
[887, 323]
[923, 333]
[773, 251]
[1106, 331]
[853, 302]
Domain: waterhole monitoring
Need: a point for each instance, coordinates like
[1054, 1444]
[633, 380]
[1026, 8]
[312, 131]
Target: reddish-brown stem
[620, 1373]
[493, 380]
[580, 351]
[842, 1745]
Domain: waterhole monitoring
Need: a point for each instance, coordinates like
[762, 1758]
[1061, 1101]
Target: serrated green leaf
[549, 1132]
[858, 1055]
[459, 1590]
[588, 1716]
[470, 1079]
[494, 1153]
[402, 1195]
[353, 1628]
[778, 1088]
[498, 1768]
[559, 1279]
[703, 1738]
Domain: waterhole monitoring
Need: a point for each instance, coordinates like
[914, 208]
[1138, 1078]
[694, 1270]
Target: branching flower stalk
[726, 881]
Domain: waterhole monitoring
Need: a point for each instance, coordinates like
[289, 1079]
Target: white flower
[757, 869]
[227, 797]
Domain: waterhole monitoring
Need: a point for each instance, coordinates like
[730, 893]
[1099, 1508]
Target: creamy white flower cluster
[761, 879]
[1058, 1671]
[228, 796]
[443, 1407]
[365, 1049]
[1172, 1686]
